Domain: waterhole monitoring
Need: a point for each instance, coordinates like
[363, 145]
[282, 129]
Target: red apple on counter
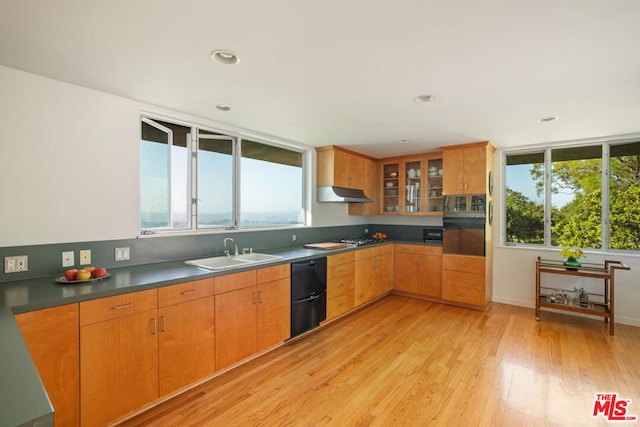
[90, 269]
[99, 272]
[83, 274]
[70, 274]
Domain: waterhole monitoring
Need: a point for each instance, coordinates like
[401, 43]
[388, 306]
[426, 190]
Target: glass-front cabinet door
[390, 188]
[412, 186]
[434, 194]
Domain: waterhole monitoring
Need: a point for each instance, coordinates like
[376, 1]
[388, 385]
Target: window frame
[605, 145]
[236, 136]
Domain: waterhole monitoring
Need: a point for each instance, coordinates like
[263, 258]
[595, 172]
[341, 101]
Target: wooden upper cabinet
[467, 168]
[411, 185]
[453, 163]
[371, 186]
[340, 168]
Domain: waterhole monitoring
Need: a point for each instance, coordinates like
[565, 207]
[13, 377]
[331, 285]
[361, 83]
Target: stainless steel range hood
[342, 195]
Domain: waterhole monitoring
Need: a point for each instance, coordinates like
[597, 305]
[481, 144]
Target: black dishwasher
[308, 294]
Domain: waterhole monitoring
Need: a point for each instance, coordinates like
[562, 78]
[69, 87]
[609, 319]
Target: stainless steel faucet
[235, 252]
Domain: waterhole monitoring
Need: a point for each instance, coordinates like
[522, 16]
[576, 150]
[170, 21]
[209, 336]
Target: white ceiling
[346, 72]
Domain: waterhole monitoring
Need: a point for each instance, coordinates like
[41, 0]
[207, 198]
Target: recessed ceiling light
[403, 141]
[548, 119]
[221, 107]
[225, 56]
[424, 98]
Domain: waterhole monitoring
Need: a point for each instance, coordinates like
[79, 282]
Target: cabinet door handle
[260, 297]
[120, 307]
[164, 323]
[192, 291]
[255, 297]
[155, 326]
[342, 271]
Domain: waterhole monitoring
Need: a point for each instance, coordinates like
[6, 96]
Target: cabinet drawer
[463, 287]
[365, 253]
[174, 294]
[99, 310]
[232, 282]
[271, 274]
[469, 264]
[340, 271]
[340, 285]
[417, 249]
[373, 252]
[343, 258]
[339, 305]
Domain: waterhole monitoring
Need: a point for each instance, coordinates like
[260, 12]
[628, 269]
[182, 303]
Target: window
[580, 196]
[524, 206]
[194, 178]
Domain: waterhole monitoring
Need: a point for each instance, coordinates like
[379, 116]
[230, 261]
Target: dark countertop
[23, 400]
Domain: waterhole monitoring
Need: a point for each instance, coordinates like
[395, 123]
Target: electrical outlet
[294, 237]
[123, 254]
[67, 259]
[366, 230]
[85, 257]
[16, 264]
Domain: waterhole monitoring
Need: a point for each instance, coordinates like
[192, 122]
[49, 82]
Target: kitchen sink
[257, 257]
[229, 262]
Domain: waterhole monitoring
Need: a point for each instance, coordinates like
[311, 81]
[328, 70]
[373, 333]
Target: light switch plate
[122, 254]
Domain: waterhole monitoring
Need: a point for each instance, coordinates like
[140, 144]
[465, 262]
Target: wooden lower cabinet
[186, 335]
[253, 317]
[119, 366]
[463, 280]
[274, 312]
[132, 352]
[51, 336]
[236, 319]
[373, 273]
[340, 284]
[418, 269]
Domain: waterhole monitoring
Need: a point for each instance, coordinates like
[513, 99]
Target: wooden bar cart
[545, 296]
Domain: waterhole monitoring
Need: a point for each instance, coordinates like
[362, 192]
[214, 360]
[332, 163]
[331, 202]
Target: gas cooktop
[359, 242]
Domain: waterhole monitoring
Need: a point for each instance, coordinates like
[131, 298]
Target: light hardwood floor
[402, 361]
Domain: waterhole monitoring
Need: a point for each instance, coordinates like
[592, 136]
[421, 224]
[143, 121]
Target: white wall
[69, 163]
[514, 269]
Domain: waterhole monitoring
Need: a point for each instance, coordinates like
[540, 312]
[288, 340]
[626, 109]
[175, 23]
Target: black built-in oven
[463, 222]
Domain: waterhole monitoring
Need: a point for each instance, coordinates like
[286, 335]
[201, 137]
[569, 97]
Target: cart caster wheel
[537, 318]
